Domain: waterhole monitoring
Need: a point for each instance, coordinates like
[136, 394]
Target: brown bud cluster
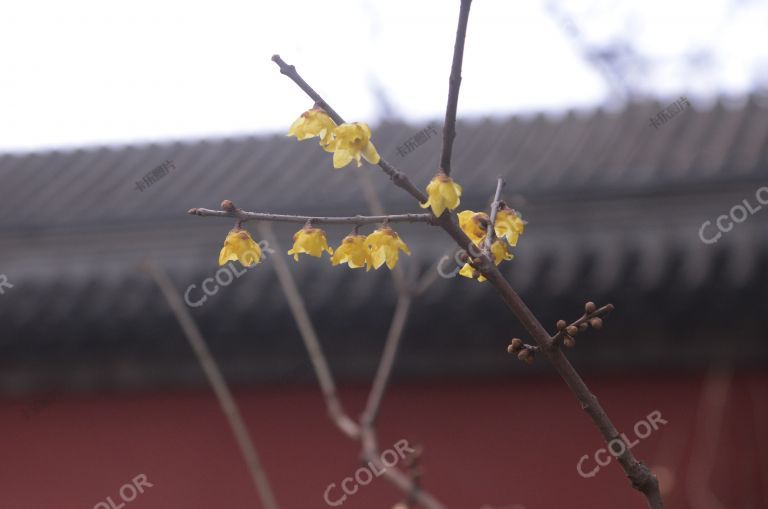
[525, 353]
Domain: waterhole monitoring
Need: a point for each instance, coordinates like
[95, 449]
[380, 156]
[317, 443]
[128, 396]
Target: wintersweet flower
[311, 123]
[351, 141]
[310, 241]
[509, 224]
[474, 224]
[385, 246]
[443, 194]
[354, 252]
[240, 246]
[500, 253]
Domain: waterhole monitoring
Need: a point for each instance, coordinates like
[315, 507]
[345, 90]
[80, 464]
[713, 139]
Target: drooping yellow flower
[240, 246]
[474, 224]
[354, 252]
[443, 194]
[311, 123]
[385, 246]
[351, 141]
[509, 224]
[500, 253]
[311, 241]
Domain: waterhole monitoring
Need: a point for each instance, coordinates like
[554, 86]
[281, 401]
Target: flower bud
[569, 342]
[572, 330]
[561, 324]
[590, 307]
[596, 323]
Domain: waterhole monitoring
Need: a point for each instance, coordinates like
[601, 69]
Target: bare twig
[359, 220]
[490, 233]
[454, 82]
[348, 426]
[219, 385]
[311, 341]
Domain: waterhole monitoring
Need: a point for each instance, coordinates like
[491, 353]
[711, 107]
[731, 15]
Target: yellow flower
[474, 224]
[310, 241]
[509, 224]
[385, 245]
[443, 194]
[354, 252]
[350, 141]
[500, 253]
[240, 246]
[311, 123]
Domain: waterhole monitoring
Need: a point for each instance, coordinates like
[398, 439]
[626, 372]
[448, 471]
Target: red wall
[500, 443]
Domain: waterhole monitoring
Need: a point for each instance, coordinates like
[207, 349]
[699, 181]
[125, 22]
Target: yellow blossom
[500, 253]
[443, 194]
[385, 245]
[509, 224]
[311, 241]
[311, 123]
[240, 246]
[354, 252]
[350, 141]
[474, 224]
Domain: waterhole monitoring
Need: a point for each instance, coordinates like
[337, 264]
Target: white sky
[86, 72]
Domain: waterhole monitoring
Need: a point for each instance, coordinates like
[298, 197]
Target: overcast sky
[87, 72]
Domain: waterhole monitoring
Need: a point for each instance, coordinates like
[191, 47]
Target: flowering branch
[229, 210]
[398, 177]
[640, 476]
[454, 82]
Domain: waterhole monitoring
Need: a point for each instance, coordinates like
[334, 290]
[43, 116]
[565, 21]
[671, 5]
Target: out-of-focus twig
[217, 381]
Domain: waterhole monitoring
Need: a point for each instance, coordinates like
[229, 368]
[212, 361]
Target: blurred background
[633, 137]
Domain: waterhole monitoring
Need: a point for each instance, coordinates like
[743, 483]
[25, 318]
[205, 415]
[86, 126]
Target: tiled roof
[614, 206]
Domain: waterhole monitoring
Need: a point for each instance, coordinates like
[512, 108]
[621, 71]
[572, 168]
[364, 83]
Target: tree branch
[490, 233]
[349, 427]
[640, 476]
[218, 383]
[244, 216]
[454, 82]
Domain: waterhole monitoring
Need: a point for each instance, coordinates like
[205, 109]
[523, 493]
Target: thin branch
[454, 82]
[490, 233]
[311, 341]
[640, 476]
[285, 218]
[349, 427]
[218, 383]
[384, 370]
